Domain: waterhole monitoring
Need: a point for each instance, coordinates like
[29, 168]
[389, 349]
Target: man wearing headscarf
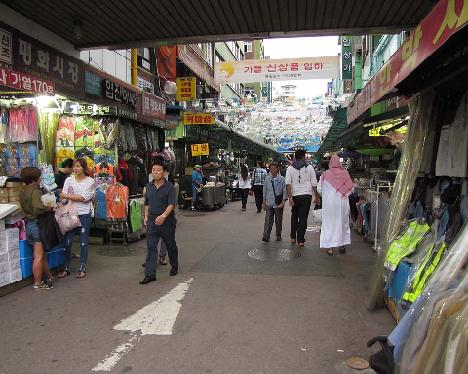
[335, 187]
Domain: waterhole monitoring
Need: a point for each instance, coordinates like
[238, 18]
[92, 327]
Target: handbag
[67, 217]
[278, 199]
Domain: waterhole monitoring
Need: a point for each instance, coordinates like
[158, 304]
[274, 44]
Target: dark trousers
[258, 192]
[273, 215]
[154, 233]
[245, 195]
[299, 216]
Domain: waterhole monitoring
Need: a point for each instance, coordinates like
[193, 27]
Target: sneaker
[43, 286]
[243, 209]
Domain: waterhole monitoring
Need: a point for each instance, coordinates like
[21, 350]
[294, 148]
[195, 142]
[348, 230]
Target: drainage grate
[272, 254]
[121, 251]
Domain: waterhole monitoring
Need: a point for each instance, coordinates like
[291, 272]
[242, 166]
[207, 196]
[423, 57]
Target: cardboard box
[4, 267]
[4, 257]
[3, 193]
[15, 265]
[14, 184]
[16, 276]
[4, 200]
[4, 279]
[14, 193]
[14, 200]
[14, 254]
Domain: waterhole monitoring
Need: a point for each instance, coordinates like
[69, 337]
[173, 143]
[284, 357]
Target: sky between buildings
[303, 47]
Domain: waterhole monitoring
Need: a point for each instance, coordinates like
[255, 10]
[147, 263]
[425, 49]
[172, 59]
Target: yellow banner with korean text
[200, 149]
[194, 118]
[186, 89]
[246, 71]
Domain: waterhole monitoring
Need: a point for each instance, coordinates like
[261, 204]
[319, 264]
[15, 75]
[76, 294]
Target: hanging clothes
[3, 125]
[101, 201]
[23, 124]
[117, 201]
[406, 243]
[135, 216]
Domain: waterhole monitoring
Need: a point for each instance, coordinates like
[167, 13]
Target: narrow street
[249, 307]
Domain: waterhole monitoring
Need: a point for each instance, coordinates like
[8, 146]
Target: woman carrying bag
[79, 190]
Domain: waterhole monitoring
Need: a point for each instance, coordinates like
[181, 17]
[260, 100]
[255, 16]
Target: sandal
[162, 260]
[301, 245]
[81, 274]
[330, 252]
[64, 274]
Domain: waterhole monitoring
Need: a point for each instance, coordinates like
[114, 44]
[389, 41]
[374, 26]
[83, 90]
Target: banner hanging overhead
[247, 71]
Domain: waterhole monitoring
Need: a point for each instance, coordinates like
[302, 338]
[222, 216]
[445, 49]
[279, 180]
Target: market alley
[249, 307]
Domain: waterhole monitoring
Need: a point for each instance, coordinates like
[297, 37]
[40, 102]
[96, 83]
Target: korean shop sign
[119, 93]
[25, 82]
[186, 89]
[247, 71]
[445, 19]
[346, 58]
[200, 149]
[24, 54]
[153, 107]
[192, 118]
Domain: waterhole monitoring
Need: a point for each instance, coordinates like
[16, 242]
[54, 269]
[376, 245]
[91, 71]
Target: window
[248, 47]
[144, 52]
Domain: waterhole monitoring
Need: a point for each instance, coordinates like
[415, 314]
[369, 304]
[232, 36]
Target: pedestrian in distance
[197, 183]
[244, 185]
[335, 186]
[160, 221]
[79, 189]
[301, 184]
[274, 197]
[32, 206]
[258, 181]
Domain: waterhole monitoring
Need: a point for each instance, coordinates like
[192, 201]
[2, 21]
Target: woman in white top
[244, 185]
[79, 189]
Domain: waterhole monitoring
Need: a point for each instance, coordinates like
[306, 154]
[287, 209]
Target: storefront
[55, 107]
[420, 270]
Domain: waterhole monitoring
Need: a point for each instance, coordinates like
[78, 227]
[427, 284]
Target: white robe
[335, 217]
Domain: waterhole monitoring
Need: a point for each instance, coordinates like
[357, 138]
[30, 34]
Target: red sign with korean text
[445, 19]
[153, 107]
[25, 82]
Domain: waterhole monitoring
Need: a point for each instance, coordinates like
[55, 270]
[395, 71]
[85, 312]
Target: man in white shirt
[301, 184]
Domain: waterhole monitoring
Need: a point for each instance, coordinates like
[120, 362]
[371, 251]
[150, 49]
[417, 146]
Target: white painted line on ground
[157, 318]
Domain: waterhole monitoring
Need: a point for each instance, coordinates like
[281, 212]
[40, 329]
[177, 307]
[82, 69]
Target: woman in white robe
[335, 186]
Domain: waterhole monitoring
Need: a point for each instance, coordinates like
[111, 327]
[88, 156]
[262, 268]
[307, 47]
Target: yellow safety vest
[405, 244]
[424, 271]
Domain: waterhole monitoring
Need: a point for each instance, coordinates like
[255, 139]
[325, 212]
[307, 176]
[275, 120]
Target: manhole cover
[194, 215]
[272, 254]
[121, 251]
[357, 363]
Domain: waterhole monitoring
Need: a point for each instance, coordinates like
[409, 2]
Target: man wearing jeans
[301, 185]
[274, 197]
[258, 181]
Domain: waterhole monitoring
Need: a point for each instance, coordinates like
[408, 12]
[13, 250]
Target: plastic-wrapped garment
[3, 125]
[132, 140]
[422, 112]
[12, 161]
[63, 154]
[3, 160]
[66, 132]
[135, 215]
[141, 138]
[109, 129]
[48, 125]
[449, 278]
[101, 203]
[84, 132]
[23, 124]
[117, 201]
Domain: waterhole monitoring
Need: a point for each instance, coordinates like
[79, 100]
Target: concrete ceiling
[136, 23]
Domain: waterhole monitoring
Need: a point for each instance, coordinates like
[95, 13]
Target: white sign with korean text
[6, 47]
[245, 71]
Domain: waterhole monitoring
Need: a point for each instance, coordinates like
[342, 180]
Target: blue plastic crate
[56, 257]
[26, 267]
[26, 250]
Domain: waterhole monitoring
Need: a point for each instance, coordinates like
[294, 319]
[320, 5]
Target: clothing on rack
[23, 124]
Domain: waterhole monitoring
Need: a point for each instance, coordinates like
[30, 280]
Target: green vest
[424, 271]
[405, 244]
[135, 216]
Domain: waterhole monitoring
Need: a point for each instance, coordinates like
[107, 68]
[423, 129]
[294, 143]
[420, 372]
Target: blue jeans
[194, 195]
[85, 220]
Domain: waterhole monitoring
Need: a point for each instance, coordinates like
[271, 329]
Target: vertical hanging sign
[346, 58]
[186, 89]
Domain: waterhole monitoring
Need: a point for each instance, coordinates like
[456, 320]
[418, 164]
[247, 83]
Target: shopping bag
[67, 217]
[317, 214]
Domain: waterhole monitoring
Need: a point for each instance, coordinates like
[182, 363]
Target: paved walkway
[238, 305]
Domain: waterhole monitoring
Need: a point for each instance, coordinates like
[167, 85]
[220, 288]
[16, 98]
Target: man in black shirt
[160, 221]
[63, 173]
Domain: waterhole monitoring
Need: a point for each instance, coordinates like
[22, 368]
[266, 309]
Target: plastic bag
[49, 199]
[317, 214]
[67, 217]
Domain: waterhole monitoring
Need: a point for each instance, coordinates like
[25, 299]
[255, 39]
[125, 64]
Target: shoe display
[148, 280]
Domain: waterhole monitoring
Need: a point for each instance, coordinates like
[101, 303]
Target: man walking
[258, 181]
[160, 222]
[301, 184]
[274, 197]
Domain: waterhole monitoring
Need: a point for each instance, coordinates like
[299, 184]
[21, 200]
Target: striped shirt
[85, 188]
[258, 177]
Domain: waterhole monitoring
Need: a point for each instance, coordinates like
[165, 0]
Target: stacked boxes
[11, 193]
[10, 269]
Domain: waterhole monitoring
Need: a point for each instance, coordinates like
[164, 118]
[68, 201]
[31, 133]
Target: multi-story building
[254, 50]
[230, 51]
